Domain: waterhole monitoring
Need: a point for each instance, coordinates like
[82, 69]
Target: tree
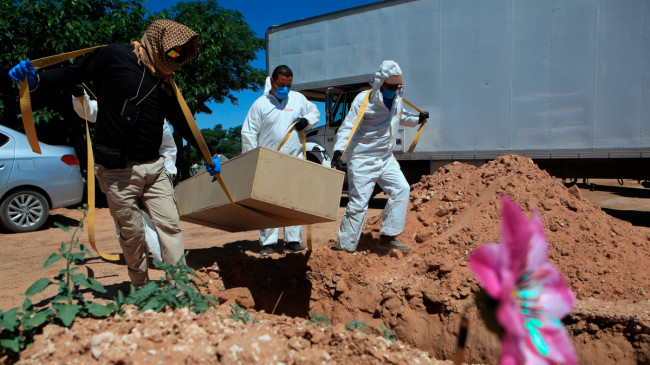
[39, 28]
[226, 48]
[225, 142]
[35, 29]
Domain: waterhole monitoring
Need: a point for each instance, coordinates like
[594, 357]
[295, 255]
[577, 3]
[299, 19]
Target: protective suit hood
[387, 69]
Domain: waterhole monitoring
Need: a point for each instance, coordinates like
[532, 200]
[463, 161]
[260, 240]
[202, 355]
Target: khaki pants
[136, 188]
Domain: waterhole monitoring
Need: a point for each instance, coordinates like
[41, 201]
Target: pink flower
[532, 295]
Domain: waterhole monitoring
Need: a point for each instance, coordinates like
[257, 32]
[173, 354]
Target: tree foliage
[226, 48]
[225, 142]
[39, 28]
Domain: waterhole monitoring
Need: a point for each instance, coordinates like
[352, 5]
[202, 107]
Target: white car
[32, 184]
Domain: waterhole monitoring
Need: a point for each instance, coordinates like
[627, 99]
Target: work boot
[267, 250]
[390, 242]
[295, 247]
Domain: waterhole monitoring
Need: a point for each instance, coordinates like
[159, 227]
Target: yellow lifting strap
[362, 111]
[419, 132]
[303, 140]
[25, 100]
[91, 190]
[30, 131]
[199, 137]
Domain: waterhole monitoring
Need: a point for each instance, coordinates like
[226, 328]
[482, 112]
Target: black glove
[423, 117]
[336, 161]
[301, 123]
[77, 91]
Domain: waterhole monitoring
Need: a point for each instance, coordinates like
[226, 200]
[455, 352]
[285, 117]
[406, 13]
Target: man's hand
[215, 168]
[22, 69]
[336, 161]
[301, 123]
[423, 117]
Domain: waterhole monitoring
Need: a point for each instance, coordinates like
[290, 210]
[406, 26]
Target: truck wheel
[24, 211]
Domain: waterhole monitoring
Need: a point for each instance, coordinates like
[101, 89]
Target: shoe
[267, 250]
[295, 247]
[390, 242]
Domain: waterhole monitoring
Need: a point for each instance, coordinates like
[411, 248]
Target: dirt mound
[458, 208]
[420, 296]
[184, 337]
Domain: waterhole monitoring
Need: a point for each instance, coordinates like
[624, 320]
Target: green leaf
[38, 286]
[78, 257]
[96, 285]
[12, 344]
[67, 313]
[152, 304]
[61, 226]
[99, 310]
[27, 304]
[9, 320]
[80, 279]
[37, 319]
[52, 259]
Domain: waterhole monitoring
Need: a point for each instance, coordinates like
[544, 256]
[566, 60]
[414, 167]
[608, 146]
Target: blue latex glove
[214, 169]
[22, 69]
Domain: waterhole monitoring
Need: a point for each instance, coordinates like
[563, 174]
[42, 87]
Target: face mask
[388, 94]
[282, 92]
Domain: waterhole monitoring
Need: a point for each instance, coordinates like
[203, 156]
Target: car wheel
[24, 211]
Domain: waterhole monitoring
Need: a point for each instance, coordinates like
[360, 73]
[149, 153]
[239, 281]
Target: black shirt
[117, 78]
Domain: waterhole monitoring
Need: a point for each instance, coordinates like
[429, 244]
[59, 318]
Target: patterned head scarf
[161, 36]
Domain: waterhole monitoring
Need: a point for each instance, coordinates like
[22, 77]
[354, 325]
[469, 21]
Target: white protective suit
[370, 160]
[266, 124]
[167, 150]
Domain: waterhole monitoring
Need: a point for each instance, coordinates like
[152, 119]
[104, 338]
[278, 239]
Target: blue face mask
[282, 92]
[388, 94]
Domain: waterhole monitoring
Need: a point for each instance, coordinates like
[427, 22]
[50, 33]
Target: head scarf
[161, 36]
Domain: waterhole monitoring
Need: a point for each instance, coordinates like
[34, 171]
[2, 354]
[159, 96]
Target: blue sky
[260, 15]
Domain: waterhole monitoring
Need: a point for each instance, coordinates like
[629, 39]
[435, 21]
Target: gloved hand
[423, 117]
[301, 123]
[22, 69]
[336, 161]
[78, 90]
[214, 169]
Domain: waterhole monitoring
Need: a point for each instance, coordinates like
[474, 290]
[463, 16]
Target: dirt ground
[599, 236]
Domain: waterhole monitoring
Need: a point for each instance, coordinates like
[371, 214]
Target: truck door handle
[2, 165]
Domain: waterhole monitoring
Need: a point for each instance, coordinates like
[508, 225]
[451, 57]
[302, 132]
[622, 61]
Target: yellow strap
[301, 134]
[362, 111]
[309, 237]
[25, 101]
[30, 131]
[199, 137]
[419, 132]
[28, 117]
[53, 60]
[91, 190]
[303, 140]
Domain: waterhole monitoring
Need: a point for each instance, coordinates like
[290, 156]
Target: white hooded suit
[266, 124]
[370, 160]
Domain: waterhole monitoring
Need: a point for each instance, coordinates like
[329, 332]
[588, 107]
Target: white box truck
[565, 82]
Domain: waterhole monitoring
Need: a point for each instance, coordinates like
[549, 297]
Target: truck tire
[24, 211]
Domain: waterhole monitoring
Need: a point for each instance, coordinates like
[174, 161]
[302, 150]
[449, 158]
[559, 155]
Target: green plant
[386, 333]
[238, 313]
[354, 325]
[176, 289]
[19, 325]
[319, 320]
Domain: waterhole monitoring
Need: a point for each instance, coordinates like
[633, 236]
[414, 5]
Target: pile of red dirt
[420, 296]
